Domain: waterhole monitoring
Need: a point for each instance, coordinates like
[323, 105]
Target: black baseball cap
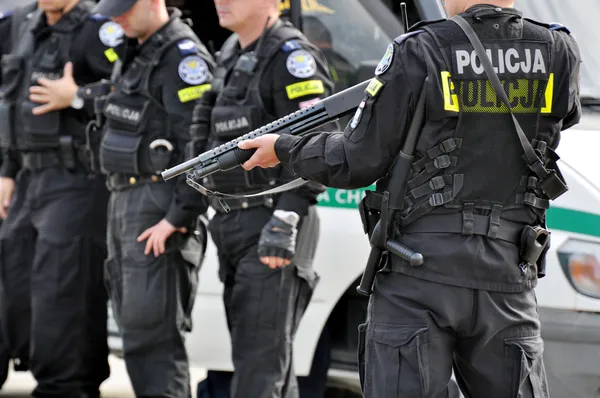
[113, 8]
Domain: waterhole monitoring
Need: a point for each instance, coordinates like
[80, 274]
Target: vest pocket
[524, 365]
[39, 132]
[119, 152]
[232, 122]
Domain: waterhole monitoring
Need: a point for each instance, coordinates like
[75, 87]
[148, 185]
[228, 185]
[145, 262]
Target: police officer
[473, 199]
[147, 125]
[266, 245]
[52, 243]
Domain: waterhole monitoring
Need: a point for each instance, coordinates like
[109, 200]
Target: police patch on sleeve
[111, 34]
[193, 70]
[301, 64]
[386, 61]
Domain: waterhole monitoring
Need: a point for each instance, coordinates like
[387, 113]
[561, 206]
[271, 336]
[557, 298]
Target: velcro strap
[530, 182]
[530, 199]
[494, 221]
[468, 219]
[435, 200]
[434, 184]
[445, 146]
[453, 224]
[432, 168]
[373, 200]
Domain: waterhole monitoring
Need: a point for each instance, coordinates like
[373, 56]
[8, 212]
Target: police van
[354, 34]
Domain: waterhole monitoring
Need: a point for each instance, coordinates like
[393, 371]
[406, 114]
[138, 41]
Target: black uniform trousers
[152, 297]
[418, 330]
[263, 306]
[52, 291]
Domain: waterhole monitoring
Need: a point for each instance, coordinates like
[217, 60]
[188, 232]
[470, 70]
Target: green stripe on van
[558, 217]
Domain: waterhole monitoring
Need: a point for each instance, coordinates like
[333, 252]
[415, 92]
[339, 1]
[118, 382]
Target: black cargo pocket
[6, 124]
[524, 366]
[362, 333]
[145, 293]
[39, 132]
[119, 152]
[398, 358]
[188, 288]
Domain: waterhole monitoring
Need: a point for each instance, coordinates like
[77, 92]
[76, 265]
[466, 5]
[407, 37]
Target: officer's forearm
[322, 157]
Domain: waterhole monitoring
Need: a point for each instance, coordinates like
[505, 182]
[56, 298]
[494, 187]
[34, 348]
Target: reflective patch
[386, 61]
[291, 45]
[358, 115]
[309, 103]
[526, 96]
[111, 34]
[192, 93]
[374, 87]
[301, 64]
[111, 55]
[193, 70]
[308, 87]
[187, 47]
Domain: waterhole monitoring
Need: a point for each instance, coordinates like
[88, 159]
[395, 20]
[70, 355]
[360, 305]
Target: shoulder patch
[187, 47]
[98, 17]
[558, 26]
[5, 14]
[111, 34]
[386, 61]
[291, 45]
[193, 70]
[301, 64]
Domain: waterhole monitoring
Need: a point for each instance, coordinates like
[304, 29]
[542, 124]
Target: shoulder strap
[550, 183]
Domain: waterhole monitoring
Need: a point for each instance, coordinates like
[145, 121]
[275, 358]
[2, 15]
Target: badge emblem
[386, 61]
[193, 70]
[111, 34]
[301, 64]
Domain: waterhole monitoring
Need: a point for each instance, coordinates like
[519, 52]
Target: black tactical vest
[31, 59]
[469, 160]
[239, 107]
[138, 131]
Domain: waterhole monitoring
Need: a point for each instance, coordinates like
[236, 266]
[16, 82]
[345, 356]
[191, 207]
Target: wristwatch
[78, 102]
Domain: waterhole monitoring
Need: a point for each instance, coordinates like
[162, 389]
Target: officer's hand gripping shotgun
[392, 200]
[229, 156]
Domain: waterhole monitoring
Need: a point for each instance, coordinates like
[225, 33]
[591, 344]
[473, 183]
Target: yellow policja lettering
[450, 97]
[374, 87]
[549, 95]
[111, 55]
[192, 93]
[305, 88]
[308, 5]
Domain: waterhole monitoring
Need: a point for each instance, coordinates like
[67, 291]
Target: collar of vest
[172, 31]
[481, 10]
[74, 17]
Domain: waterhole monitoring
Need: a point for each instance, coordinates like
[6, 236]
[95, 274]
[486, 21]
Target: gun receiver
[229, 156]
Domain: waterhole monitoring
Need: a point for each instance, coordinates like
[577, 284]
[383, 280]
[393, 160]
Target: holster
[535, 242]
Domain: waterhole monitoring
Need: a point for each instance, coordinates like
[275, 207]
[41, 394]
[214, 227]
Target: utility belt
[216, 203]
[119, 182]
[68, 155]
[533, 241]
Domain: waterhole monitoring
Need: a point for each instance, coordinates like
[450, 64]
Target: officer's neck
[52, 17]
[251, 31]
[162, 18]
[498, 3]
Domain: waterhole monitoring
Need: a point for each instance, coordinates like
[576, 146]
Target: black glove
[278, 237]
